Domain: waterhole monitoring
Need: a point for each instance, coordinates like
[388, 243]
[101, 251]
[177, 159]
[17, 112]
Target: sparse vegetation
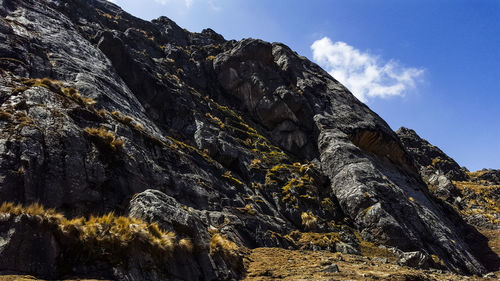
[255, 163]
[215, 120]
[107, 237]
[104, 137]
[231, 179]
[309, 220]
[227, 250]
[248, 209]
[57, 87]
[480, 199]
[125, 119]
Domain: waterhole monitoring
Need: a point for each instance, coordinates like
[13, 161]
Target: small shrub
[311, 240]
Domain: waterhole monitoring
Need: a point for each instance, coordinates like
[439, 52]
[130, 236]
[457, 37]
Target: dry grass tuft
[216, 120]
[105, 137]
[125, 119]
[227, 250]
[309, 220]
[108, 236]
[231, 179]
[57, 87]
[34, 209]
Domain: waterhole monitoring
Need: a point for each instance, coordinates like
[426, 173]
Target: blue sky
[430, 65]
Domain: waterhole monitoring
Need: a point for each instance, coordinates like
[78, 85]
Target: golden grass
[231, 179]
[248, 209]
[480, 199]
[309, 220]
[107, 235]
[216, 120]
[57, 87]
[227, 250]
[304, 240]
[105, 137]
[125, 119]
[476, 173]
[255, 163]
[34, 209]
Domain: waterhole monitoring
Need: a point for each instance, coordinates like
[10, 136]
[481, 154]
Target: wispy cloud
[362, 73]
[214, 6]
[188, 3]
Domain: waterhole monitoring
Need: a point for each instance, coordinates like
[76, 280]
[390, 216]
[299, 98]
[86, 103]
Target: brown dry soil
[281, 264]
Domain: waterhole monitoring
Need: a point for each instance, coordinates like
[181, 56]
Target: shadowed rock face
[238, 136]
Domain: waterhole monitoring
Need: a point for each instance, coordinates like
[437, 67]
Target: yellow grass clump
[309, 220]
[105, 137]
[108, 236]
[57, 87]
[227, 250]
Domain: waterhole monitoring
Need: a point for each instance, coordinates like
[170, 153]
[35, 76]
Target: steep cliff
[226, 144]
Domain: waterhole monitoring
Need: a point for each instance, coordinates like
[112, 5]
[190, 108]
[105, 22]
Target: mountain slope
[228, 144]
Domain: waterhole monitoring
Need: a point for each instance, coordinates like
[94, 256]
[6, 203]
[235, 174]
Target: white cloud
[363, 73]
[214, 6]
[188, 3]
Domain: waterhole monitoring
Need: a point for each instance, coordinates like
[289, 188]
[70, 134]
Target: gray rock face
[27, 247]
[415, 259]
[331, 268]
[430, 159]
[199, 134]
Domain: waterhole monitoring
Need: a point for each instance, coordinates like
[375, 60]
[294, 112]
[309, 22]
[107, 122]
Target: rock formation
[226, 144]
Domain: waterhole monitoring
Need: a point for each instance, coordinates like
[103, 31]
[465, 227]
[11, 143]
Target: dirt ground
[281, 264]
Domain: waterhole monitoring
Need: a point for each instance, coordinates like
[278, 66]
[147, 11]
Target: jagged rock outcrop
[101, 111]
[488, 177]
[429, 158]
[435, 167]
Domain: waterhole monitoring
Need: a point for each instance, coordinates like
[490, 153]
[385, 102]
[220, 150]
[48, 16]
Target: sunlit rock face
[104, 112]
